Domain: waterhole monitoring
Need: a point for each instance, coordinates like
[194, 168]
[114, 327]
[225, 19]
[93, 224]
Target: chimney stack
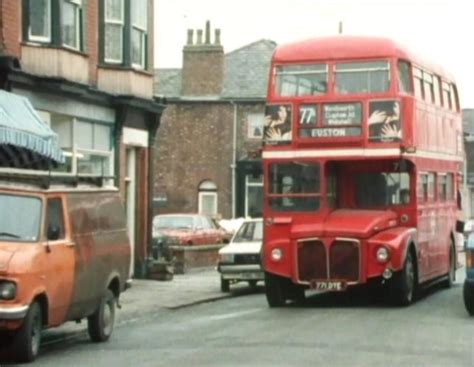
[203, 64]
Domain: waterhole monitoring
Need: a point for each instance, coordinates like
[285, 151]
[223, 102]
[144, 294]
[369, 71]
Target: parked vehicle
[187, 229]
[240, 260]
[468, 289]
[64, 255]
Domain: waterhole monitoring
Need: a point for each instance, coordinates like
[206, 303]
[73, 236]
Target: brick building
[87, 68]
[207, 148]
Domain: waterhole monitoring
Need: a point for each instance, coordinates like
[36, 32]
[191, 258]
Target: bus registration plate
[336, 285]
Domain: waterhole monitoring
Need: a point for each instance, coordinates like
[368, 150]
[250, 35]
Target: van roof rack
[45, 179]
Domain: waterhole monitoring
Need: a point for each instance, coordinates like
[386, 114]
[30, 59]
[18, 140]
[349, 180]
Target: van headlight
[226, 258]
[7, 290]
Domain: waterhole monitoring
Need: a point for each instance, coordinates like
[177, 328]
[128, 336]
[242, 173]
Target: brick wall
[194, 143]
[92, 38]
[203, 70]
[10, 31]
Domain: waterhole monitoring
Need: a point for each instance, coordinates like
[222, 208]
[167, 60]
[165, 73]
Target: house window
[124, 32]
[208, 198]
[39, 17]
[255, 126]
[114, 24]
[55, 22]
[86, 145]
[71, 23]
[139, 32]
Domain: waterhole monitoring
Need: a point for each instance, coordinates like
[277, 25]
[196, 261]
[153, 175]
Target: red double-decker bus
[362, 156]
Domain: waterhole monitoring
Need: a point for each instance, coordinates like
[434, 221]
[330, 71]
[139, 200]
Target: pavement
[146, 297]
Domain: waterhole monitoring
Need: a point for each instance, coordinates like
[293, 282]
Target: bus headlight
[276, 254]
[382, 254]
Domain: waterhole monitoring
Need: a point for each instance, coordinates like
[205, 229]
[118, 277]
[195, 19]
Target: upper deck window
[362, 77]
[301, 80]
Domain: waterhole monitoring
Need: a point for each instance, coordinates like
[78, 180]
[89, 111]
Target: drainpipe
[234, 157]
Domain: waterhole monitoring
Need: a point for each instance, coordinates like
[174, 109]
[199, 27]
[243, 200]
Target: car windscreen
[176, 222]
[20, 218]
[249, 232]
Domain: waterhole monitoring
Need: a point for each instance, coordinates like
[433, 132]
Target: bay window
[124, 32]
[54, 22]
[113, 29]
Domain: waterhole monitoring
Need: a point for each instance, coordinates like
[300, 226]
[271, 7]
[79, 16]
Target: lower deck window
[294, 186]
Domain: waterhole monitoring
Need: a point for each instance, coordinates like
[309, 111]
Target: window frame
[27, 16]
[56, 37]
[79, 28]
[128, 28]
[115, 22]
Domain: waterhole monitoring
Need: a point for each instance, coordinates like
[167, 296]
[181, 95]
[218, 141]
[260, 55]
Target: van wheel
[101, 323]
[225, 285]
[27, 340]
[468, 298]
[403, 285]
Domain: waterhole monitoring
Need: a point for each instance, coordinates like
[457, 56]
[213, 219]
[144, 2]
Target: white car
[240, 259]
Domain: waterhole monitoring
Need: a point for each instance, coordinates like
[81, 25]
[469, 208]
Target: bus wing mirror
[460, 226]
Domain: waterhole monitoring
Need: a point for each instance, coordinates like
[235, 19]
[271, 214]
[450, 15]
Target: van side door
[59, 262]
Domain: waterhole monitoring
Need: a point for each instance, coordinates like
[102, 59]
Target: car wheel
[101, 323]
[225, 285]
[403, 285]
[468, 295]
[275, 290]
[27, 340]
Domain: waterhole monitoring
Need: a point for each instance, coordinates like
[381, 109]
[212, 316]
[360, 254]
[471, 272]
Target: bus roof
[351, 48]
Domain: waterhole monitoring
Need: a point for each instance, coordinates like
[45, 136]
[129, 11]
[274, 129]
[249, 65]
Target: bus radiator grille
[344, 260]
[312, 260]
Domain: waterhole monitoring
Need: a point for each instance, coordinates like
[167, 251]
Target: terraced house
[87, 68]
[208, 148]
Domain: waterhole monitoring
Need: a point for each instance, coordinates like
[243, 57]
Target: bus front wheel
[403, 286]
[276, 290]
[279, 289]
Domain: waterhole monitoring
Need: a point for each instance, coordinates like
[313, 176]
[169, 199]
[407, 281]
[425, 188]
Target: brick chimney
[203, 64]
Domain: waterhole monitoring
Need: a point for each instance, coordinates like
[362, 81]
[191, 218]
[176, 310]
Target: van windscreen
[20, 218]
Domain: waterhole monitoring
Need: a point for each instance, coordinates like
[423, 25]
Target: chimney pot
[190, 36]
[208, 32]
[217, 36]
[199, 36]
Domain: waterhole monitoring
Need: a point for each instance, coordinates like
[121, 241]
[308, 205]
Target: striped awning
[26, 141]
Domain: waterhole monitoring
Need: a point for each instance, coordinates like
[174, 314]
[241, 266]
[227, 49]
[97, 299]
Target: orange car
[64, 255]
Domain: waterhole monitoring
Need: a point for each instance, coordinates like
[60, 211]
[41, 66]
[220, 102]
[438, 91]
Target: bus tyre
[101, 323]
[225, 285]
[275, 290]
[468, 295]
[403, 286]
[27, 340]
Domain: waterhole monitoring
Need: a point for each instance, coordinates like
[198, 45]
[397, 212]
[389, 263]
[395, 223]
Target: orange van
[64, 255]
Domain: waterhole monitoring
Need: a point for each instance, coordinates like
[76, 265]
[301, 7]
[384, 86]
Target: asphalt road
[328, 330]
